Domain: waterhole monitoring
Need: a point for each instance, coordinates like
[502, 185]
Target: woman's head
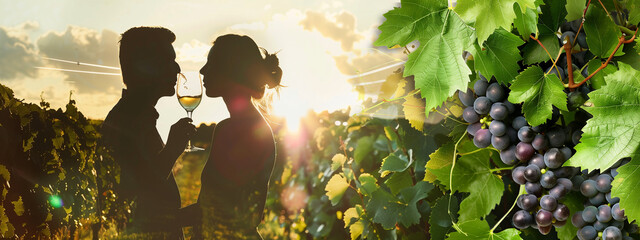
[236, 65]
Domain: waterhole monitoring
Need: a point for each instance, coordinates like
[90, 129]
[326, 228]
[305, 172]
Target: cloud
[340, 27]
[192, 55]
[19, 56]
[84, 45]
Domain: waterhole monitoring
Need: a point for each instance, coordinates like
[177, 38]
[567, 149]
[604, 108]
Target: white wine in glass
[189, 94]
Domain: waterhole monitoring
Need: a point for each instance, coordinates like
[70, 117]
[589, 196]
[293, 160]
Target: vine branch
[453, 165]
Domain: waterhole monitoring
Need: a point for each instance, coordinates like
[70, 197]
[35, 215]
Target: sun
[292, 110]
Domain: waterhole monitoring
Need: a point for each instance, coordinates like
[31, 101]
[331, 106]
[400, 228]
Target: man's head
[147, 60]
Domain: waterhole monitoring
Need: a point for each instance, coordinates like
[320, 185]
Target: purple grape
[533, 188]
[561, 213]
[566, 183]
[553, 158]
[603, 183]
[508, 155]
[559, 191]
[598, 199]
[513, 135]
[498, 111]
[469, 115]
[482, 105]
[538, 160]
[524, 151]
[495, 92]
[587, 233]
[548, 180]
[566, 152]
[577, 181]
[575, 137]
[527, 202]
[556, 137]
[604, 213]
[497, 128]
[588, 188]
[480, 87]
[518, 122]
[582, 41]
[526, 134]
[611, 200]
[611, 233]
[532, 173]
[617, 213]
[522, 219]
[501, 143]
[563, 172]
[473, 128]
[548, 203]
[544, 230]
[510, 107]
[467, 97]
[517, 174]
[540, 143]
[482, 139]
[544, 218]
[589, 214]
[600, 226]
[577, 220]
[568, 36]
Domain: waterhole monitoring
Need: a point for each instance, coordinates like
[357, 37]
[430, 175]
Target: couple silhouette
[235, 177]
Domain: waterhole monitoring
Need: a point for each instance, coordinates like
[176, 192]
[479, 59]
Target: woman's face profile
[212, 80]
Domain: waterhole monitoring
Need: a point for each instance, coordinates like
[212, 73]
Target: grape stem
[453, 165]
[545, 49]
[621, 41]
[521, 192]
[501, 169]
[567, 50]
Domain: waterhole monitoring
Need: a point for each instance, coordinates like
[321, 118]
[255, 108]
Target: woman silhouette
[236, 176]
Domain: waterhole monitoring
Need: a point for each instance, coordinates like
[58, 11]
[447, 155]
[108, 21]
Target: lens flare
[55, 201]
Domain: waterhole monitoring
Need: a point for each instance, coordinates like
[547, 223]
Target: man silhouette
[149, 71]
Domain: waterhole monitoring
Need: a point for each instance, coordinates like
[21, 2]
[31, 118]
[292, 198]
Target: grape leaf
[438, 69]
[394, 163]
[363, 148]
[367, 184]
[526, 22]
[472, 174]
[337, 161]
[602, 33]
[478, 229]
[553, 14]
[439, 159]
[490, 15]
[597, 81]
[389, 210]
[632, 54]
[499, 56]
[534, 53]
[634, 14]
[538, 92]
[399, 181]
[575, 8]
[440, 222]
[335, 188]
[613, 132]
[626, 185]
[352, 221]
[414, 111]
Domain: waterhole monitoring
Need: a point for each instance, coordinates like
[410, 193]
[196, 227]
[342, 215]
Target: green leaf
[399, 181]
[335, 188]
[597, 81]
[18, 206]
[389, 210]
[602, 33]
[613, 132]
[367, 184]
[573, 201]
[526, 22]
[632, 54]
[490, 15]
[414, 111]
[634, 14]
[499, 56]
[553, 14]
[472, 174]
[394, 163]
[352, 221]
[538, 92]
[626, 185]
[575, 8]
[337, 161]
[534, 53]
[478, 229]
[438, 69]
[363, 148]
[440, 222]
[439, 159]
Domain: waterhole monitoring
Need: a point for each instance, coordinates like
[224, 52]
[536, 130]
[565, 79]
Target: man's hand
[180, 133]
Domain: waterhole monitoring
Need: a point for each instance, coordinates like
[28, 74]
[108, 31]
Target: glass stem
[189, 142]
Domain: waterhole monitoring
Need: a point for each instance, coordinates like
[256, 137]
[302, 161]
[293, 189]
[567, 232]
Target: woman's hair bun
[272, 65]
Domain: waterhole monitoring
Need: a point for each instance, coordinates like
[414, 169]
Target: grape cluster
[602, 217]
[487, 112]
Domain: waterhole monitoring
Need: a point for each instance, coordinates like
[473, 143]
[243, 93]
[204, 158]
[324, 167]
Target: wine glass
[189, 94]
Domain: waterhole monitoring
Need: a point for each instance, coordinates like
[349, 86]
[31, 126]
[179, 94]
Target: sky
[324, 48]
